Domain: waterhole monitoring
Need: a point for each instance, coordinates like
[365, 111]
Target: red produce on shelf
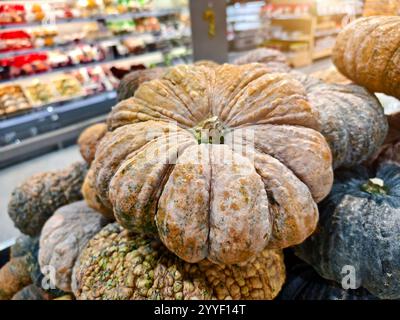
[15, 40]
[12, 14]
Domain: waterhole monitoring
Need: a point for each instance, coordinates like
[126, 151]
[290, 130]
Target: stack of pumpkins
[198, 182]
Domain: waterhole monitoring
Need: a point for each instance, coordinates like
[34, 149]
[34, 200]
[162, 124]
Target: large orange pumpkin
[220, 162]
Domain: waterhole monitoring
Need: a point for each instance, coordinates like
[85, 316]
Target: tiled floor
[13, 176]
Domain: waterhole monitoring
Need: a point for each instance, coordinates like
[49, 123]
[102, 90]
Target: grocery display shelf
[48, 129]
[148, 37]
[123, 16]
[147, 58]
[319, 54]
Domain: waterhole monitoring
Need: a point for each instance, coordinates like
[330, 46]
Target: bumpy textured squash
[159, 173]
[272, 59]
[129, 84]
[359, 226]
[89, 139]
[31, 292]
[352, 119]
[64, 236]
[118, 264]
[14, 275]
[303, 283]
[35, 200]
[367, 52]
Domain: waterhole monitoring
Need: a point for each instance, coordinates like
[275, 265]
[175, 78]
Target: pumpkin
[118, 264]
[129, 83]
[352, 120]
[22, 246]
[14, 275]
[219, 163]
[28, 248]
[272, 59]
[359, 226]
[367, 52]
[36, 199]
[64, 236]
[89, 139]
[390, 151]
[330, 75]
[31, 292]
[303, 283]
[206, 63]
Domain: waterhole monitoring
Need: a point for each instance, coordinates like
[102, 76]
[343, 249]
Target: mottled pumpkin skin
[129, 84]
[28, 248]
[367, 52]
[360, 229]
[89, 139]
[303, 283]
[118, 264]
[22, 246]
[64, 236]
[31, 292]
[35, 200]
[14, 275]
[273, 60]
[330, 75]
[255, 186]
[352, 119]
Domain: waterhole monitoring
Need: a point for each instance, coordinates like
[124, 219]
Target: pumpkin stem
[375, 186]
[210, 131]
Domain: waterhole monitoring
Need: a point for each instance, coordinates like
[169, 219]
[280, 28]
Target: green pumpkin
[352, 119]
[35, 200]
[303, 283]
[359, 226]
[31, 292]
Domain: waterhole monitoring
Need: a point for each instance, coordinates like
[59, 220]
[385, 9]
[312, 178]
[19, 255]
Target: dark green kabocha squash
[304, 283]
[352, 119]
[35, 200]
[128, 85]
[31, 292]
[359, 227]
[64, 236]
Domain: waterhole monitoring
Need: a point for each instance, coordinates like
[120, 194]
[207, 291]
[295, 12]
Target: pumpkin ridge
[233, 112]
[388, 65]
[351, 64]
[249, 76]
[376, 41]
[103, 186]
[118, 182]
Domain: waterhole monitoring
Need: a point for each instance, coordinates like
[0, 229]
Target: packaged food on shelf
[12, 99]
[44, 36]
[93, 80]
[15, 40]
[67, 86]
[12, 13]
[39, 92]
[121, 26]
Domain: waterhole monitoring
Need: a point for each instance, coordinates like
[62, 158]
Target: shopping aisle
[13, 176]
